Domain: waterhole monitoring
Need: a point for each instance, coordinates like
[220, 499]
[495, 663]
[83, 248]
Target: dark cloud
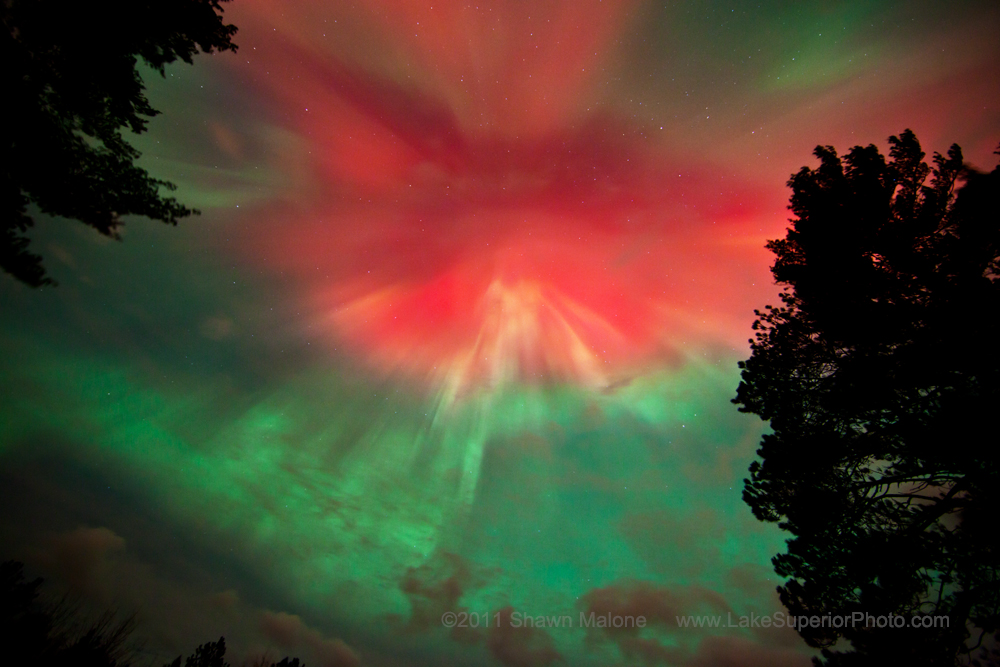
[663, 641]
[435, 588]
[291, 634]
[520, 644]
[659, 605]
[740, 652]
[81, 558]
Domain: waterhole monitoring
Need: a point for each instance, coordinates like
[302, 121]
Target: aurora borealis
[458, 327]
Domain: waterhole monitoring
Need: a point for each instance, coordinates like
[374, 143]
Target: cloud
[290, 632]
[523, 646]
[741, 652]
[660, 605]
[81, 558]
[226, 600]
[689, 647]
[435, 588]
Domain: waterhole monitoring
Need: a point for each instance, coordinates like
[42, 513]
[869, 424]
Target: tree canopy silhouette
[33, 632]
[70, 86]
[879, 374]
[213, 654]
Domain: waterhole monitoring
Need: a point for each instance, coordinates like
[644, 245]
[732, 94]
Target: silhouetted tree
[879, 375]
[265, 660]
[36, 633]
[286, 662]
[70, 86]
[24, 626]
[211, 654]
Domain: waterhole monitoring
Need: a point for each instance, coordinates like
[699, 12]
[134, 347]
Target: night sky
[457, 329]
